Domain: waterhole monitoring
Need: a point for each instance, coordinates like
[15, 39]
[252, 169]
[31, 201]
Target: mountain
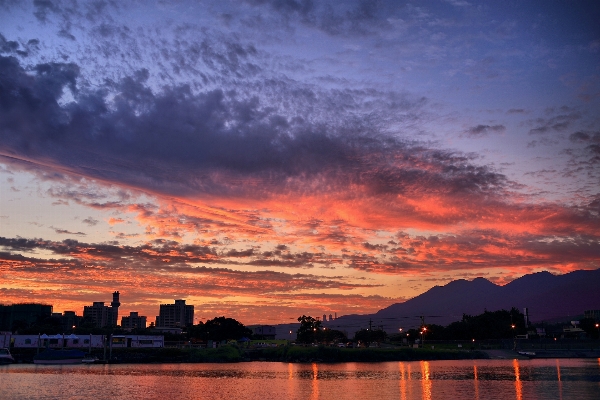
[545, 295]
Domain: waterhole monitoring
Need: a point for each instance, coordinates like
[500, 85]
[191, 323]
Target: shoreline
[299, 354]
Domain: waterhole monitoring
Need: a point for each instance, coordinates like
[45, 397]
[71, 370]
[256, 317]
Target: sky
[265, 159]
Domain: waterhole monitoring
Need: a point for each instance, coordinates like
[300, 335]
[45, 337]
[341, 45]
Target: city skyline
[270, 159]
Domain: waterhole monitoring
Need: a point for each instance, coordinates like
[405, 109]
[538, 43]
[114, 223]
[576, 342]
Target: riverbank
[296, 354]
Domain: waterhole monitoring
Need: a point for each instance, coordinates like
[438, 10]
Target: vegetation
[500, 324]
[368, 336]
[309, 326]
[218, 329]
[311, 331]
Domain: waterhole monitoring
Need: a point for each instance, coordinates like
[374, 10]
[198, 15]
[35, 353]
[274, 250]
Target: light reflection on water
[425, 380]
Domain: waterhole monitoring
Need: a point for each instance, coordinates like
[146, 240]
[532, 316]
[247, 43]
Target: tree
[369, 336]
[221, 328]
[309, 329]
[332, 336]
[501, 324]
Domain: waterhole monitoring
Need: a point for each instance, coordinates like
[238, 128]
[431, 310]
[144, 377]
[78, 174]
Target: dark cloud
[352, 18]
[90, 221]
[67, 232]
[585, 137]
[591, 153]
[557, 123]
[215, 139]
[43, 8]
[484, 130]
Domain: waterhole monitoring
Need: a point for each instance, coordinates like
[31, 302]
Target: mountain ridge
[545, 295]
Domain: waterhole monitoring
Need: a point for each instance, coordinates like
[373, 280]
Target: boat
[529, 354]
[90, 359]
[5, 356]
[59, 357]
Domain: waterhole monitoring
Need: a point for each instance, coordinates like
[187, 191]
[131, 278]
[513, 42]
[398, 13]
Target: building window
[145, 341]
[27, 341]
[86, 341]
[75, 341]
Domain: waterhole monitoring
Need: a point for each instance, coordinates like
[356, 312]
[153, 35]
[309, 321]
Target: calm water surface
[465, 379]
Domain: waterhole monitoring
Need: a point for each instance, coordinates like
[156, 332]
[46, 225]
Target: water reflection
[402, 381]
[425, 381]
[315, 382]
[476, 379]
[559, 380]
[462, 379]
[518, 383]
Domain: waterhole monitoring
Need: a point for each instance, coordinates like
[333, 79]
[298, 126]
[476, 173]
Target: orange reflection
[476, 381]
[518, 383]
[315, 382]
[408, 377]
[425, 380]
[402, 382]
[559, 379]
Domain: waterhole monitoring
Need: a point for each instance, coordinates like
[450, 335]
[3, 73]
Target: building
[102, 315]
[68, 320]
[592, 314]
[15, 316]
[175, 315]
[134, 321]
[264, 331]
[82, 341]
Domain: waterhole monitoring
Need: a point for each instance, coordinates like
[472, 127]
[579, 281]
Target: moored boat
[529, 354]
[90, 359]
[59, 357]
[5, 356]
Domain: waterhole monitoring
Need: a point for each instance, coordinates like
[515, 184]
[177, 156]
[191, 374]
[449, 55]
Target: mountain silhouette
[546, 296]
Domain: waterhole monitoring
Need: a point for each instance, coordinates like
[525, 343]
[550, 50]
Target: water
[465, 379]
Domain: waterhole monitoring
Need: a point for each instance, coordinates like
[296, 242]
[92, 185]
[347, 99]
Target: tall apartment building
[134, 321]
[103, 315]
[22, 315]
[175, 315]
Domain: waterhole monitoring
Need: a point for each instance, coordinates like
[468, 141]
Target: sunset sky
[265, 159]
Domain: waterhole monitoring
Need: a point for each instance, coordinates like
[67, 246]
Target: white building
[82, 341]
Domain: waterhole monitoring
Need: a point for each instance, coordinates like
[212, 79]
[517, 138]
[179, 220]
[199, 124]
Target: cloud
[90, 221]
[216, 141]
[484, 130]
[557, 123]
[67, 232]
[168, 269]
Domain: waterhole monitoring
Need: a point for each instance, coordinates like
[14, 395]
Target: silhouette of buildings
[68, 320]
[133, 321]
[102, 315]
[17, 316]
[593, 314]
[175, 315]
[264, 331]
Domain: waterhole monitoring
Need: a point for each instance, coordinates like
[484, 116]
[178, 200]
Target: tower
[115, 308]
[115, 303]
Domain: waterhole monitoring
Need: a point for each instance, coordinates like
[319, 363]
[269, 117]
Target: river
[464, 379]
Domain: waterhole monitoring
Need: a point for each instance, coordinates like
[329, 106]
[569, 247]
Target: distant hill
[546, 296]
